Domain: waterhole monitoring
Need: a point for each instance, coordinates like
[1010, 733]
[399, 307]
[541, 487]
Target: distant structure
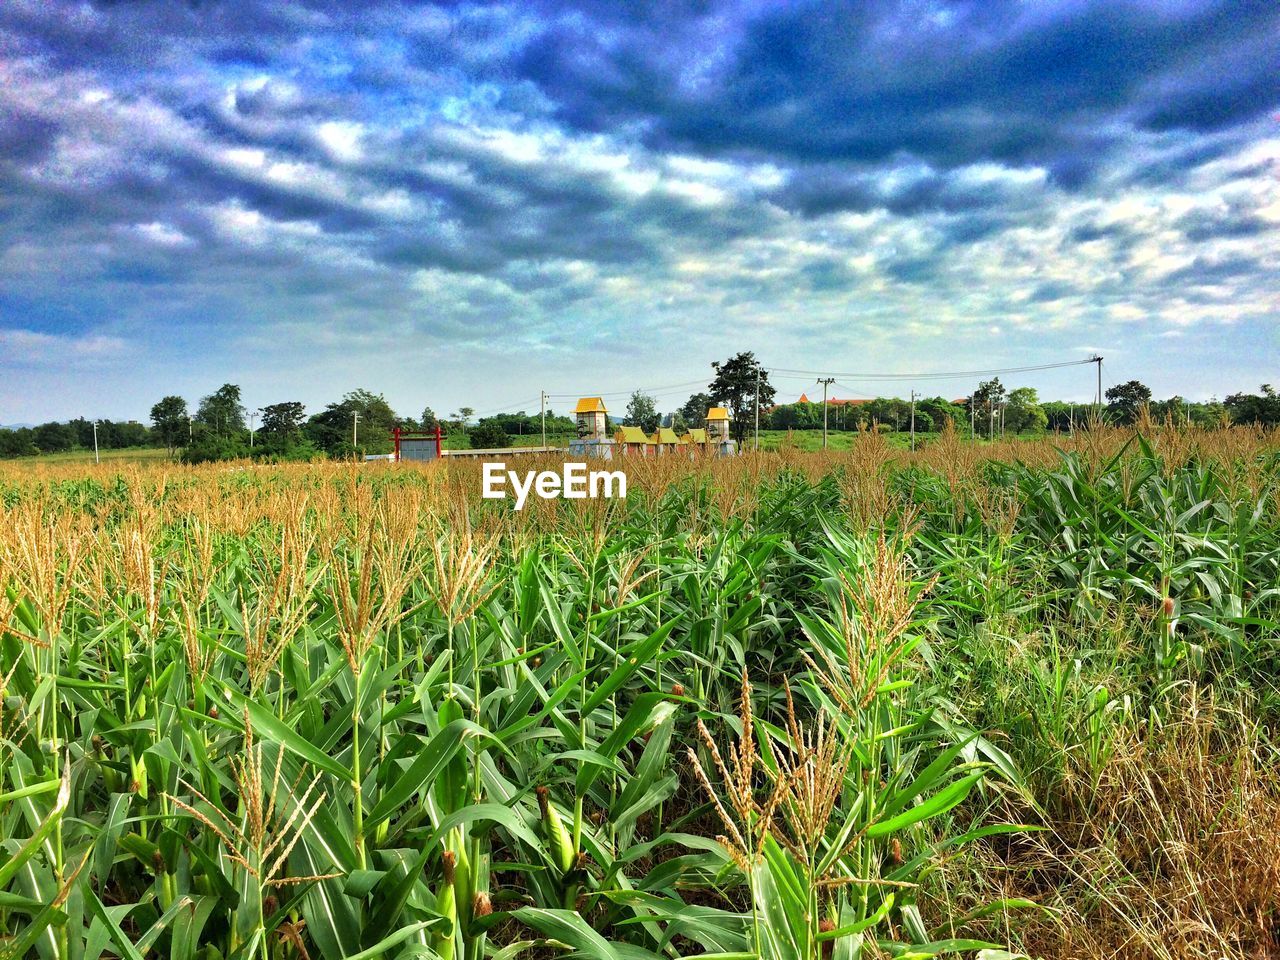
[831, 402]
[631, 442]
[719, 440]
[593, 423]
[592, 417]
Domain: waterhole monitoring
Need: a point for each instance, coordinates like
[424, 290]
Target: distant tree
[676, 421]
[986, 401]
[331, 429]
[1023, 413]
[1254, 408]
[939, 410]
[1125, 399]
[283, 421]
[488, 435]
[171, 423]
[642, 413]
[222, 412]
[890, 412]
[735, 386]
[695, 409]
[54, 437]
[429, 420]
[17, 443]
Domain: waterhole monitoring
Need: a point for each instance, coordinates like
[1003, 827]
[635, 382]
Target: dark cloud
[976, 81]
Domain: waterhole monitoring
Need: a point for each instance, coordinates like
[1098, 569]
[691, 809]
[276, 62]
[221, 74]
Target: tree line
[222, 428]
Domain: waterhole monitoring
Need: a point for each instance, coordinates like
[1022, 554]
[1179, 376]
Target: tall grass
[996, 700]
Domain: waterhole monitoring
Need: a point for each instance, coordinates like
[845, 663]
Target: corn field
[1000, 701]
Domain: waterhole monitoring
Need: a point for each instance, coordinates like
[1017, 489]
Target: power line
[942, 375]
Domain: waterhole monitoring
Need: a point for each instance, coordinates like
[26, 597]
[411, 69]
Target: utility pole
[826, 382]
[95, 442]
[544, 417]
[991, 420]
[973, 428]
[253, 426]
[757, 406]
[1098, 360]
[355, 428]
[913, 421]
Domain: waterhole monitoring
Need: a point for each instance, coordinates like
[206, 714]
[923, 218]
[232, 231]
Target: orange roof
[590, 405]
[718, 413]
[804, 398]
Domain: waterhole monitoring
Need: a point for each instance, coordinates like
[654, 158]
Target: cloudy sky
[464, 205]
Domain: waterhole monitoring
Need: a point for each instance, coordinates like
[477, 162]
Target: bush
[488, 435]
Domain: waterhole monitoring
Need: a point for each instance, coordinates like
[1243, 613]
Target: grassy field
[992, 701]
[122, 456]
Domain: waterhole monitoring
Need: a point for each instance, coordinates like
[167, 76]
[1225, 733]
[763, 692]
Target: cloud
[316, 184]
[32, 347]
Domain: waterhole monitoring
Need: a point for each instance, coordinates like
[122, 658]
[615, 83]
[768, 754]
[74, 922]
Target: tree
[488, 435]
[331, 429]
[283, 421]
[1023, 412]
[54, 437]
[986, 401]
[642, 413]
[1251, 408]
[222, 412]
[695, 409]
[1125, 399]
[171, 423]
[17, 443]
[735, 387]
[429, 419]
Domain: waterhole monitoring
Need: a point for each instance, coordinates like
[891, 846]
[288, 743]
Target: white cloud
[32, 347]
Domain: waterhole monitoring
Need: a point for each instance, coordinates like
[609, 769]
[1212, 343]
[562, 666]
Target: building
[718, 424]
[664, 440]
[696, 436]
[592, 417]
[593, 423]
[719, 440]
[831, 402]
[631, 442]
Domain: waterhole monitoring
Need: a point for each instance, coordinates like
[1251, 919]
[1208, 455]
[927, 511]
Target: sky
[465, 205]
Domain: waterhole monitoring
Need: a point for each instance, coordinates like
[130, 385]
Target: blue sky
[467, 204]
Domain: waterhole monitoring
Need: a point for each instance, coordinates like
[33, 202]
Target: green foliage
[488, 435]
[335, 429]
[741, 384]
[248, 713]
[282, 421]
[170, 421]
[1125, 400]
[642, 412]
[221, 412]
